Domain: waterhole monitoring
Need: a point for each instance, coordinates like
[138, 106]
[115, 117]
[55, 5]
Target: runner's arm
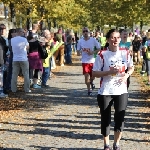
[130, 65]
[99, 74]
[97, 69]
[96, 51]
[78, 48]
[130, 70]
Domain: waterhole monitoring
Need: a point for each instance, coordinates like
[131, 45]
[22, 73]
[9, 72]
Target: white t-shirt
[85, 46]
[19, 45]
[110, 85]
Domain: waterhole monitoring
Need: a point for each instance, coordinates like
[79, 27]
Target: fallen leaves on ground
[19, 101]
[145, 92]
[142, 80]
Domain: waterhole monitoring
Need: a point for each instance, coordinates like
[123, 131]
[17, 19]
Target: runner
[127, 45]
[146, 49]
[124, 40]
[86, 48]
[110, 66]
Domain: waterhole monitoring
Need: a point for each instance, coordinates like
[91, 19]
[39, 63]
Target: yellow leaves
[80, 10]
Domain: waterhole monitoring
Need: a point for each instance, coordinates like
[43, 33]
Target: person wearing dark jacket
[136, 49]
[3, 51]
[144, 39]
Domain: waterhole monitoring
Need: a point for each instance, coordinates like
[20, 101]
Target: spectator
[35, 62]
[3, 51]
[20, 46]
[136, 49]
[11, 34]
[144, 39]
[147, 53]
[6, 54]
[74, 44]
[46, 66]
[68, 49]
[60, 52]
[35, 31]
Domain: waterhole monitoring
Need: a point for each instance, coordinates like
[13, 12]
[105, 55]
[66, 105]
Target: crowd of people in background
[32, 54]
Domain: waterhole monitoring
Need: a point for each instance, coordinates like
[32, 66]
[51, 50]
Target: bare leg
[139, 57]
[87, 80]
[106, 140]
[117, 137]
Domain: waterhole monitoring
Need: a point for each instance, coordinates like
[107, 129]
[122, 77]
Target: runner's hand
[113, 71]
[78, 53]
[90, 52]
[125, 77]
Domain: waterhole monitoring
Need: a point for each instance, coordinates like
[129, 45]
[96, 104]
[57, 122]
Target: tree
[77, 13]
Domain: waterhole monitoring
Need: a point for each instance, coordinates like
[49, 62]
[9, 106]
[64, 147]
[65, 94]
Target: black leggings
[33, 73]
[120, 103]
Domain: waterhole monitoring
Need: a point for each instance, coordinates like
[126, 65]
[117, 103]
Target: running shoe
[107, 147]
[89, 93]
[116, 147]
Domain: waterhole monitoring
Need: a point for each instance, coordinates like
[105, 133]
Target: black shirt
[136, 45]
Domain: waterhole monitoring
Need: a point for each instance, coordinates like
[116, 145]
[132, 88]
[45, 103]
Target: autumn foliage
[77, 13]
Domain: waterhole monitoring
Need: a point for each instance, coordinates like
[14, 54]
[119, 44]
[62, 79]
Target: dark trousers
[144, 63]
[33, 73]
[45, 75]
[68, 54]
[120, 103]
[148, 66]
[50, 65]
[9, 75]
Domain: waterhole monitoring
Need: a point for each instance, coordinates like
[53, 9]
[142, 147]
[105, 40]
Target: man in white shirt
[20, 46]
[86, 47]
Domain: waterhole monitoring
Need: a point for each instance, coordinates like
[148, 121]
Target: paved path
[63, 117]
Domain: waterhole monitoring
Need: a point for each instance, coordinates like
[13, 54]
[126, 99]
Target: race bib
[86, 50]
[111, 90]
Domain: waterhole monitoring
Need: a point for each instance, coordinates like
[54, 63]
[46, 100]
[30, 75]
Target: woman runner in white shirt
[110, 66]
